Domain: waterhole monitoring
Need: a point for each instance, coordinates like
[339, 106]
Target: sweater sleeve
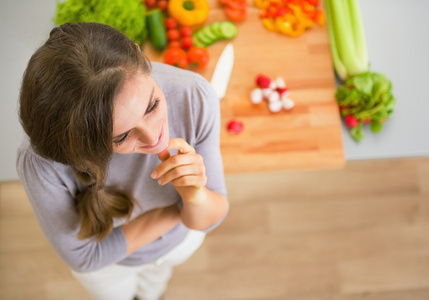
[206, 115]
[50, 191]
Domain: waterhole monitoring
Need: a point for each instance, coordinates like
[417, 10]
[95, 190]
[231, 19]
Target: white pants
[148, 282]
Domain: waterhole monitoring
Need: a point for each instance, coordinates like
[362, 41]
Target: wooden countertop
[308, 136]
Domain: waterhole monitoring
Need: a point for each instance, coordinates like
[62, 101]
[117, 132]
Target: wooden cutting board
[308, 136]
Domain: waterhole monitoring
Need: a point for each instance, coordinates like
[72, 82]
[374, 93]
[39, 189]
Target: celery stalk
[338, 64]
[358, 33]
[344, 37]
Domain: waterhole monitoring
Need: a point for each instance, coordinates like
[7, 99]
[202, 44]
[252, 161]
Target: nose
[147, 135]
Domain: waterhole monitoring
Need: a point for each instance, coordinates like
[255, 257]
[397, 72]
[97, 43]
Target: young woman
[120, 160]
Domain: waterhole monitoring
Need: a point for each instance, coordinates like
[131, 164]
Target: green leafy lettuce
[368, 98]
[127, 16]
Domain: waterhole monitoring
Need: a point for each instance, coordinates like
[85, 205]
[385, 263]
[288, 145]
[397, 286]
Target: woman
[100, 122]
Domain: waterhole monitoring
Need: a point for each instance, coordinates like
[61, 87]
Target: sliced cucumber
[228, 30]
[215, 27]
[206, 31]
[197, 43]
[203, 38]
[210, 34]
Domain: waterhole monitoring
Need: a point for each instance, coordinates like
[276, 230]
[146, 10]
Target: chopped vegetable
[235, 10]
[365, 98]
[214, 32]
[263, 81]
[274, 91]
[235, 126]
[290, 17]
[126, 16]
[189, 12]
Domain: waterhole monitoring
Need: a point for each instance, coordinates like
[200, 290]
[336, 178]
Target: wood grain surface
[308, 136]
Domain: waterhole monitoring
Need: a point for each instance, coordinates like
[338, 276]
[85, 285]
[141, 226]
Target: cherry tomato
[186, 30]
[174, 44]
[150, 3]
[162, 5]
[171, 23]
[187, 42]
[173, 34]
[198, 56]
[176, 57]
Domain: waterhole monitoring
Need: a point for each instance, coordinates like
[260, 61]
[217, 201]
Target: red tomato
[186, 30]
[174, 44]
[150, 3]
[173, 34]
[235, 15]
[187, 42]
[198, 56]
[170, 23]
[162, 5]
[176, 57]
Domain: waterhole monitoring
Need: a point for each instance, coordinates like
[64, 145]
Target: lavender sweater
[193, 113]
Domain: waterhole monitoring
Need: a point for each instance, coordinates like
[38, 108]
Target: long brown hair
[66, 109]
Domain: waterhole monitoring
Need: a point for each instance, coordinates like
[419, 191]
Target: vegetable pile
[127, 16]
[214, 32]
[235, 10]
[274, 92]
[290, 17]
[365, 97]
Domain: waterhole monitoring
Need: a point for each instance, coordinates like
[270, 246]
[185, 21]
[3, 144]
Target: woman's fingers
[185, 175]
[191, 180]
[174, 162]
[181, 145]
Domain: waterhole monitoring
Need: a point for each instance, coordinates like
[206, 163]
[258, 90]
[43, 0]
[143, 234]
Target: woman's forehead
[131, 103]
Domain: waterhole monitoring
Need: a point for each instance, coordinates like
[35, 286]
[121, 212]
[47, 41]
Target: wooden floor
[358, 233]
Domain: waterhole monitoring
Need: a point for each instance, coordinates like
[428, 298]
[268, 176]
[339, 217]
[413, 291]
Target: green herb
[127, 16]
[368, 98]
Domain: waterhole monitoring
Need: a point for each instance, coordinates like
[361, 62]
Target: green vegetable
[368, 98]
[127, 16]
[156, 29]
[214, 32]
[347, 38]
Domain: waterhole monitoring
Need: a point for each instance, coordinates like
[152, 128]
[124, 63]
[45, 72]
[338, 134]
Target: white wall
[24, 25]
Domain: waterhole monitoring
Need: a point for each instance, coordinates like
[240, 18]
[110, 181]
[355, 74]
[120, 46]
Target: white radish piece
[267, 92]
[281, 84]
[256, 96]
[275, 106]
[288, 103]
[274, 97]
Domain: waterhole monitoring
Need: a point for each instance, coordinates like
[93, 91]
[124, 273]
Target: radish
[351, 121]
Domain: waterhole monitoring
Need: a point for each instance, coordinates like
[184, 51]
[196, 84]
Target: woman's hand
[185, 171]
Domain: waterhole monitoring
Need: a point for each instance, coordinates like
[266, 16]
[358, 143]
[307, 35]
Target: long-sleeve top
[51, 187]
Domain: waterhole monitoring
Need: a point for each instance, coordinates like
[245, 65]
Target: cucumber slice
[209, 34]
[228, 30]
[203, 38]
[197, 43]
[215, 28]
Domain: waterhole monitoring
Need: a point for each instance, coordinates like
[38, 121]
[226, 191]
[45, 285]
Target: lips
[159, 141]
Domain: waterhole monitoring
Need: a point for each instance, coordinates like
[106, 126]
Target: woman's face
[140, 123]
